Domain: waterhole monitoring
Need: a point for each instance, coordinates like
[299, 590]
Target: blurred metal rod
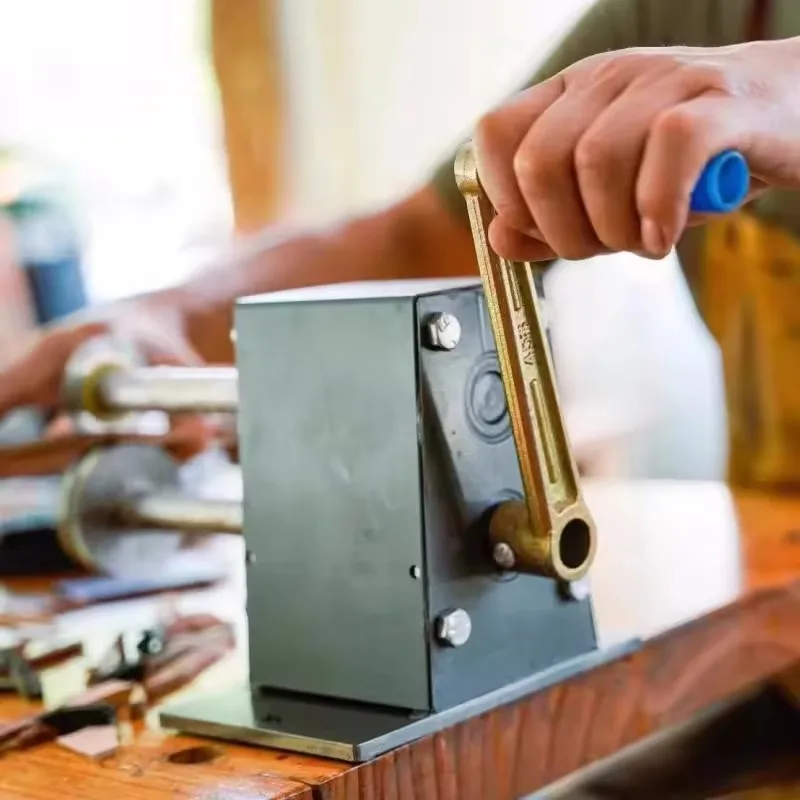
[172, 509]
[171, 389]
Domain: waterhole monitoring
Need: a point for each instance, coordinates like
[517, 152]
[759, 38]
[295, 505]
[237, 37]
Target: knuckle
[678, 124]
[621, 64]
[650, 202]
[536, 169]
[702, 76]
[489, 132]
[608, 69]
[593, 153]
[525, 166]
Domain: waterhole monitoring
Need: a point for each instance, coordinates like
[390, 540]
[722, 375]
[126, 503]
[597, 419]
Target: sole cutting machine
[412, 513]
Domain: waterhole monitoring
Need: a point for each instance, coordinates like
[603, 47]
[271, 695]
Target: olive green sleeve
[619, 24]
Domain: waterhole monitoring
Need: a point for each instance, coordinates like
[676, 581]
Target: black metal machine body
[375, 443]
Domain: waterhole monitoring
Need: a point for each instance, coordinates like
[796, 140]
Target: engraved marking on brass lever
[552, 533]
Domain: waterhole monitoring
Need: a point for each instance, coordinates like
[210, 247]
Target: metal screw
[578, 590]
[444, 331]
[415, 572]
[152, 643]
[250, 557]
[503, 555]
[454, 628]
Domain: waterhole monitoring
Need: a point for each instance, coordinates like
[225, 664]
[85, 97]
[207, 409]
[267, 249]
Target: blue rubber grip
[723, 184]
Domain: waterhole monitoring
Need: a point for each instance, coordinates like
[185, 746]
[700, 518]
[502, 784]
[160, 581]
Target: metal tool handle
[173, 389]
[552, 533]
[123, 511]
[174, 509]
[109, 380]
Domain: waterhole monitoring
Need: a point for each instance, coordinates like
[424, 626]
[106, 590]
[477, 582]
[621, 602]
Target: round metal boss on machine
[83, 374]
[93, 527]
[485, 400]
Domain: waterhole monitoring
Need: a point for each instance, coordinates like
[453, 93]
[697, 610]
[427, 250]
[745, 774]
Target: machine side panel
[521, 624]
[332, 511]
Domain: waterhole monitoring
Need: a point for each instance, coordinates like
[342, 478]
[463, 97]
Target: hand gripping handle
[552, 533]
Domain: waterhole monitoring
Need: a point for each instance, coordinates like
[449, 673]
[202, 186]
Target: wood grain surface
[156, 767]
[516, 750]
[746, 630]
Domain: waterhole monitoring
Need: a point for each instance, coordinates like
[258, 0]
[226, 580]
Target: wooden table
[709, 581]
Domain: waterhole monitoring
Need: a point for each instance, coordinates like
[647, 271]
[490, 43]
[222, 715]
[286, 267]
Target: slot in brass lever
[552, 533]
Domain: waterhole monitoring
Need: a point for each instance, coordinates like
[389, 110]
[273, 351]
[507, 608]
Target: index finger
[497, 139]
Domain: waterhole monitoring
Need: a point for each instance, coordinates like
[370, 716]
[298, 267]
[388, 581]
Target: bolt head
[503, 556]
[444, 331]
[152, 644]
[578, 590]
[454, 628]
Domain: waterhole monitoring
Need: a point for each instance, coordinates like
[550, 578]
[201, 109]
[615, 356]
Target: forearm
[417, 238]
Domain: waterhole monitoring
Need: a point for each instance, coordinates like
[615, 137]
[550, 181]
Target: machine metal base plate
[350, 731]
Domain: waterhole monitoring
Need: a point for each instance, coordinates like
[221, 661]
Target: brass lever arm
[552, 533]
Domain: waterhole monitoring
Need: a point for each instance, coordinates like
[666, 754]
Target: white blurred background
[121, 95]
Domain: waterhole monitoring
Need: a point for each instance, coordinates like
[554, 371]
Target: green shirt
[619, 24]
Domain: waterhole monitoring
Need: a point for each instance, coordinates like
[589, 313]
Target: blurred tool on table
[117, 666]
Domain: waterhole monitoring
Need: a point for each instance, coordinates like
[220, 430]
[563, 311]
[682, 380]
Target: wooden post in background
[248, 66]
